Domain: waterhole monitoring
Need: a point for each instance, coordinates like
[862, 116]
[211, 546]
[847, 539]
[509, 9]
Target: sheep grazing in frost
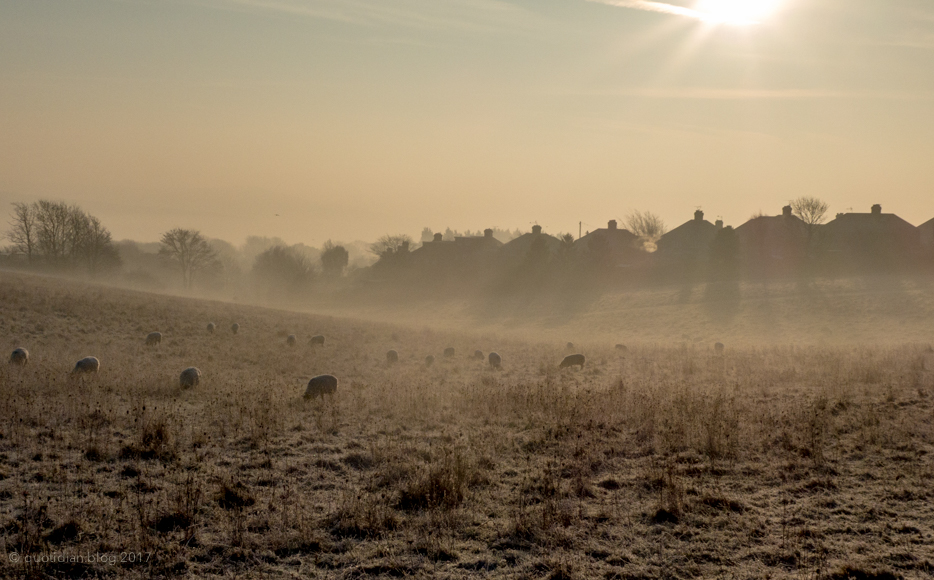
[621, 348]
[572, 360]
[290, 340]
[569, 346]
[392, 357]
[189, 378]
[320, 386]
[153, 338]
[496, 361]
[718, 348]
[19, 357]
[429, 360]
[317, 339]
[235, 328]
[449, 352]
[211, 327]
[478, 355]
[87, 365]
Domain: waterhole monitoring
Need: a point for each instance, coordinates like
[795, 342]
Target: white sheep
[496, 361]
[478, 355]
[235, 328]
[718, 347]
[449, 352]
[317, 339]
[87, 365]
[320, 386]
[392, 357]
[211, 327]
[153, 338]
[429, 360]
[19, 357]
[290, 340]
[190, 377]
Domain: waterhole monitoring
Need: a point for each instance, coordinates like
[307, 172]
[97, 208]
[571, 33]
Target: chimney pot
[877, 209]
[488, 233]
[536, 229]
[611, 225]
[439, 236]
[719, 224]
[698, 216]
[786, 211]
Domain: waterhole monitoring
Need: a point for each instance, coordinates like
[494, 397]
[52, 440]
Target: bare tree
[334, 259]
[389, 245]
[189, 250]
[22, 233]
[647, 226]
[810, 210]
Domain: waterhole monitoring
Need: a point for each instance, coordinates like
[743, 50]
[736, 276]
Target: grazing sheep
[211, 327]
[392, 357]
[190, 377]
[19, 357]
[571, 360]
[478, 355]
[317, 339]
[290, 340]
[718, 347]
[569, 346]
[153, 338]
[235, 328]
[429, 360]
[622, 348]
[320, 386]
[87, 365]
[449, 352]
[496, 361]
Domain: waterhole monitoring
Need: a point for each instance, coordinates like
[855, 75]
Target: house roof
[691, 236]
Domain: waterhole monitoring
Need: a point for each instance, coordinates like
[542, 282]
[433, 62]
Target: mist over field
[549, 290]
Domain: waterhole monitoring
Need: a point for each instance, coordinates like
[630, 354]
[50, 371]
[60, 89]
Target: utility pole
[579, 228]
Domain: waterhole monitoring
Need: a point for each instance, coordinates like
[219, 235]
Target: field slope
[661, 460]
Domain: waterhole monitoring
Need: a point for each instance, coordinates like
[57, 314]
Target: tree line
[61, 236]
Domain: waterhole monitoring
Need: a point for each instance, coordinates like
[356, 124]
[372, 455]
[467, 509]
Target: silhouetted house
[611, 247]
[459, 258]
[872, 241]
[926, 231]
[688, 244]
[533, 246]
[773, 245]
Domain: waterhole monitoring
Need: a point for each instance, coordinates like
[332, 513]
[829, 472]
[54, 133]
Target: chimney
[536, 230]
[698, 216]
[719, 224]
[786, 211]
[877, 209]
[611, 225]
[488, 233]
[439, 236]
[405, 247]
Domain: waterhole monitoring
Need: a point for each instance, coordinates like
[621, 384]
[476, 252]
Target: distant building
[688, 243]
[926, 232]
[461, 252]
[529, 245]
[773, 244]
[611, 246]
[873, 241]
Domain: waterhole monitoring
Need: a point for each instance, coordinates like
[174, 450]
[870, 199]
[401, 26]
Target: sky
[349, 119]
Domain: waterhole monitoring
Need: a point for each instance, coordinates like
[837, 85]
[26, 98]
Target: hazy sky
[355, 118]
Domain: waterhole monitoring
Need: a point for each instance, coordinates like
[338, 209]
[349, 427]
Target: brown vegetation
[651, 462]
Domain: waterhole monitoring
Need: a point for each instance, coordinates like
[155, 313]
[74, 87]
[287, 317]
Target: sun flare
[737, 12]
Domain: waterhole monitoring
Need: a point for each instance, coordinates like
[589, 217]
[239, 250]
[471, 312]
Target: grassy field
[780, 458]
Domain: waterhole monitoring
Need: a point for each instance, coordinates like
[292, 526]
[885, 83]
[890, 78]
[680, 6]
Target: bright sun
[737, 12]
